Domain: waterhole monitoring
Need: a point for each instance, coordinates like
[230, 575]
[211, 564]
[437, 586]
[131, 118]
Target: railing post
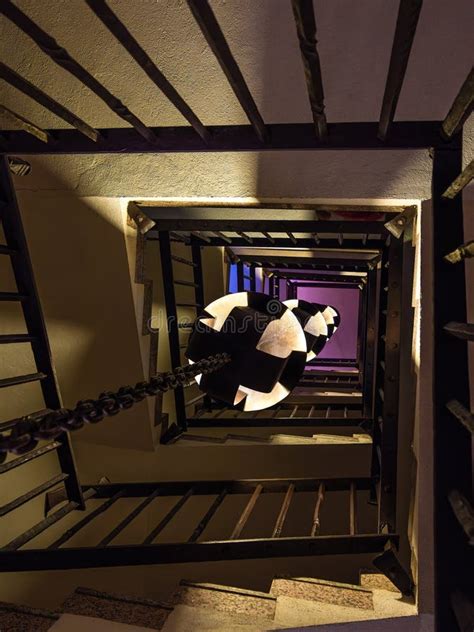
[370, 343]
[172, 321]
[454, 558]
[389, 429]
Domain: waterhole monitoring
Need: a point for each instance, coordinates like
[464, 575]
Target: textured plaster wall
[77, 246]
[354, 45]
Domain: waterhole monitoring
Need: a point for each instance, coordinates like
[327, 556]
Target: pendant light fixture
[266, 343]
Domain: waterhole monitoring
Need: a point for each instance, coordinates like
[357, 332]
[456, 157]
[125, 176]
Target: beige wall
[77, 246]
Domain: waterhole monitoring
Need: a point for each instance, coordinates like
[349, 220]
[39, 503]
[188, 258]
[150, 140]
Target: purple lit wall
[344, 342]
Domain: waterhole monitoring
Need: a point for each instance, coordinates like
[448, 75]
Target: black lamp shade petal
[266, 343]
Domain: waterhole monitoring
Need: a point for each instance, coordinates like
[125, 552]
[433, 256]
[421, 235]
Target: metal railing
[240, 542]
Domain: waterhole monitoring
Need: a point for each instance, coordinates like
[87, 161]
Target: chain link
[27, 431]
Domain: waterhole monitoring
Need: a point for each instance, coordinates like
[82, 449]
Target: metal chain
[27, 431]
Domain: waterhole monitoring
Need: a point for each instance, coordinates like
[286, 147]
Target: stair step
[371, 579]
[226, 599]
[285, 439]
[355, 438]
[16, 618]
[120, 608]
[320, 439]
[334, 593]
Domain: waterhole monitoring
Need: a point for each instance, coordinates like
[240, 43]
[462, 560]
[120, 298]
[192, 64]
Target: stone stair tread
[373, 579]
[293, 613]
[288, 438]
[320, 439]
[226, 599]
[19, 618]
[312, 589]
[354, 438]
[128, 609]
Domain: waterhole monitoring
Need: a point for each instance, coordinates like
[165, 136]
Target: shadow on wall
[77, 246]
[353, 87]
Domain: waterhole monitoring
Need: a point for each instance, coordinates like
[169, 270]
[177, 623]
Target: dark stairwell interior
[337, 477]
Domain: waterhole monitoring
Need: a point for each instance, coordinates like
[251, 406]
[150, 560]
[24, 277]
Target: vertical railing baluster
[128, 519]
[317, 510]
[353, 508]
[283, 512]
[197, 274]
[169, 516]
[246, 513]
[208, 517]
[172, 321]
[240, 276]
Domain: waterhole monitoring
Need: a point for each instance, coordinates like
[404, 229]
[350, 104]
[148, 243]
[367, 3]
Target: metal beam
[275, 422]
[465, 331]
[172, 321]
[461, 181]
[210, 487]
[61, 57]
[20, 83]
[370, 344]
[207, 22]
[25, 125]
[391, 379]
[285, 243]
[312, 275]
[461, 108]
[139, 555]
[186, 224]
[407, 20]
[329, 286]
[215, 205]
[126, 39]
[323, 263]
[230, 138]
[303, 12]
